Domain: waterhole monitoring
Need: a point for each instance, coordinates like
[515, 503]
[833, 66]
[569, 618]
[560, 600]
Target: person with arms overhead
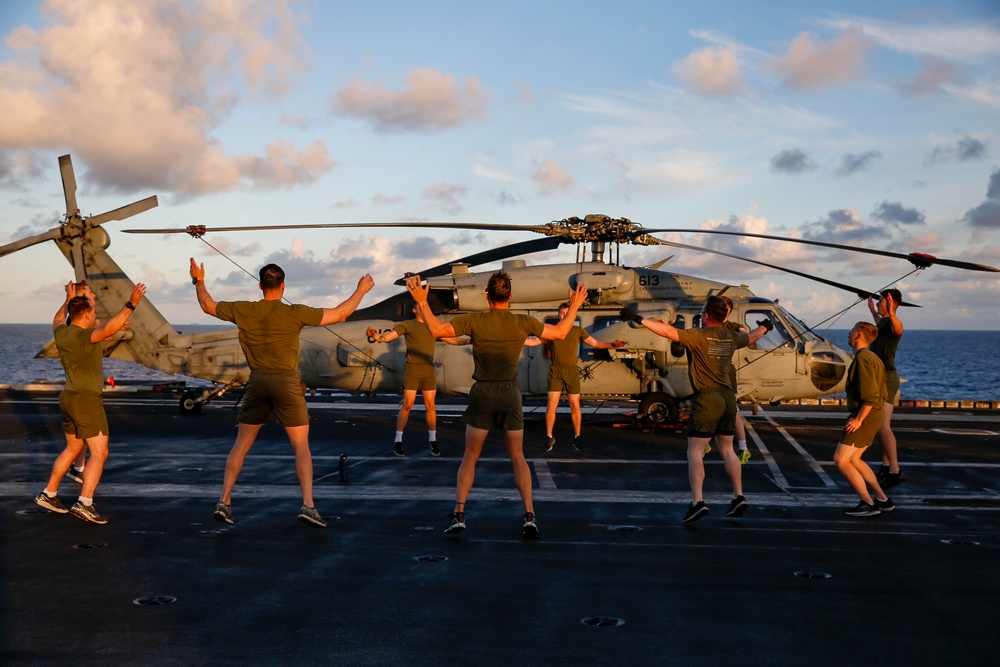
[890, 331]
[495, 398]
[269, 336]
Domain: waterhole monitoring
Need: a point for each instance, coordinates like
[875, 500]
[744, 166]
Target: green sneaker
[744, 456]
[708, 448]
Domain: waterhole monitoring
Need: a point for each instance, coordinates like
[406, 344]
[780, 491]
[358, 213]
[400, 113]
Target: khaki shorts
[864, 436]
[713, 412]
[495, 404]
[280, 394]
[564, 378]
[419, 377]
[892, 387]
[83, 414]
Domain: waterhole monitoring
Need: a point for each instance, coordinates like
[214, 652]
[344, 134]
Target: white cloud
[711, 71]
[968, 44]
[811, 64]
[429, 100]
[552, 178]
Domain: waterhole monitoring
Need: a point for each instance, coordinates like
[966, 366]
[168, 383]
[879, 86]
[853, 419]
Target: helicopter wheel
[190, 405]
[658, 408]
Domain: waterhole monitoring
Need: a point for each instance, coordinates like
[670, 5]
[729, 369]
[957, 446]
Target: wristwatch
[194, 281]
[128, 304]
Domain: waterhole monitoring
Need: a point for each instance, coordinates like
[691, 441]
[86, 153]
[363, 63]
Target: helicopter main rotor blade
[861, 293]
[125, 211]
[199, 230]
[69, 184]
[918, 259]
[30, 241]
[494, 255]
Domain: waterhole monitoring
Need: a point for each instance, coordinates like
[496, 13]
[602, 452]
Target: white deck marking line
[776, 474]
[813, 463]
[544, 475]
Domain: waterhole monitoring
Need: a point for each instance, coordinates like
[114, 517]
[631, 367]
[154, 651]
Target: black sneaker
[550, 443]
[880, 474]
[224, 513]
[695, 511]
[457, 523]
[577, 443]
[74, 475]
[891, 479]
[530, 528]
[435, 450]
[885, 505]
[863, 509]
[51, 503]
[311, 516]
[737, 507]
[88, 513]
[397, 449]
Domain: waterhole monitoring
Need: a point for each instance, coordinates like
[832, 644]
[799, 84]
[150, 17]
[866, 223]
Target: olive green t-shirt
[885, 344]
[566, 352]
[82, 360]
[419, 342]
[497, 340]
[865, 381]
[269, 331]
[711, 354]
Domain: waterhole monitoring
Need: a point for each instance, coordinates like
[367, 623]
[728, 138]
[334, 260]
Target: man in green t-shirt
[84, 421]
[713, 408]
[269, 336]
[418, 375]
[865, 389]
[890, 331]
[564, 375]
[495, 398]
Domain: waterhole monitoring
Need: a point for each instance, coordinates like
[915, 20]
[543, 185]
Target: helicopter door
[772, 364]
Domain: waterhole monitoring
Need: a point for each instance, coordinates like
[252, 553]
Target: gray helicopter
[790, 362]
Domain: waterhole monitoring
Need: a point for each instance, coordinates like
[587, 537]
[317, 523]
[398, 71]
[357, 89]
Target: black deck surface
[382, 585]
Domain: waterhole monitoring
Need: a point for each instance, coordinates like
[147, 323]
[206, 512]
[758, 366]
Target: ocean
[935, 365]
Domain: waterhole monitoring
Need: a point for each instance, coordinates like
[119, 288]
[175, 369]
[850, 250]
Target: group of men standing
[269, 336]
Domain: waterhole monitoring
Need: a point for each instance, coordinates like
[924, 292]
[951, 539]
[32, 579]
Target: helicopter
[790, 362]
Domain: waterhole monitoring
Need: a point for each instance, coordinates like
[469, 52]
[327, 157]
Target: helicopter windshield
[799, 330]
[778, 337]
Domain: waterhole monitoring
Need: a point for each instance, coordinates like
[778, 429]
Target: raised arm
[60, 317]
[659, 327]
[560, 330]
[205, 300]
[385, 337]
[873, 309]
[897, 325]
[344, 310]
[763, 326]
[419, 293]
[111, 327]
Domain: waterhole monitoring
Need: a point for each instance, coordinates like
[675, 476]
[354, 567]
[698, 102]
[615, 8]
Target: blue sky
[873, 125]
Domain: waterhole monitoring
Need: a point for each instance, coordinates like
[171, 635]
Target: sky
[871, 125]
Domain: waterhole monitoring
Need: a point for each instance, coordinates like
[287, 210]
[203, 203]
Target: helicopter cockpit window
[605, 322]
[778, 337]
[799, 329]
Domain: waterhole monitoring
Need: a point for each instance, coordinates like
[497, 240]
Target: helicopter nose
[827, 367]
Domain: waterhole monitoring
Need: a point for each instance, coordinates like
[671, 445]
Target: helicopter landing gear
[193, 400]
[658, 409]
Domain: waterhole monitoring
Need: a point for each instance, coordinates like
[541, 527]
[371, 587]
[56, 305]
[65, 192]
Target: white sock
[86, 502]
[742, 444]
[77, 468]
[432, 436]
[399, 436]
[50, 494]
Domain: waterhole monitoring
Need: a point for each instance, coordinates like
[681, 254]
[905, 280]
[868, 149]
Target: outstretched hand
[370, 332]
[618, 343]
[579, 295]
[366, 283]
[766, 323]
[137, 293]
[197, 271]
[630, 316]
[416, 289]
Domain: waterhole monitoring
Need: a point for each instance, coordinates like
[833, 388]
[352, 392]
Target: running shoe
[435, 450]
[885, 505]
[530, 528]
[311, 516]
[550, 443]
[88, 513]
[578, 443]
[708, 448]
[863, 509]
[397, 449]
[891, 479]
[737, 507]
[51, 503]
[74, 475]
[224, 513]
[696, 511]
[744, 456]
[457, 523]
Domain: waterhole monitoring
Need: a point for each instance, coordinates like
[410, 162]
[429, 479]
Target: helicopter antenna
[374, 361]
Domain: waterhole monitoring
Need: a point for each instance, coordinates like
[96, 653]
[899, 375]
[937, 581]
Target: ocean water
[935, 365]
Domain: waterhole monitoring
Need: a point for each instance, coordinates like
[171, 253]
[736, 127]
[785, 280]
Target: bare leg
[74, 446]
[299, 437]
[98, 456]
[522, 474]
[844, 458]
[409, 398]
[733, 469]
[245, 438]
[475, 438]
[696, 465]
[888, 440]
[576, 415]
[550, 412]
[431, 408]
